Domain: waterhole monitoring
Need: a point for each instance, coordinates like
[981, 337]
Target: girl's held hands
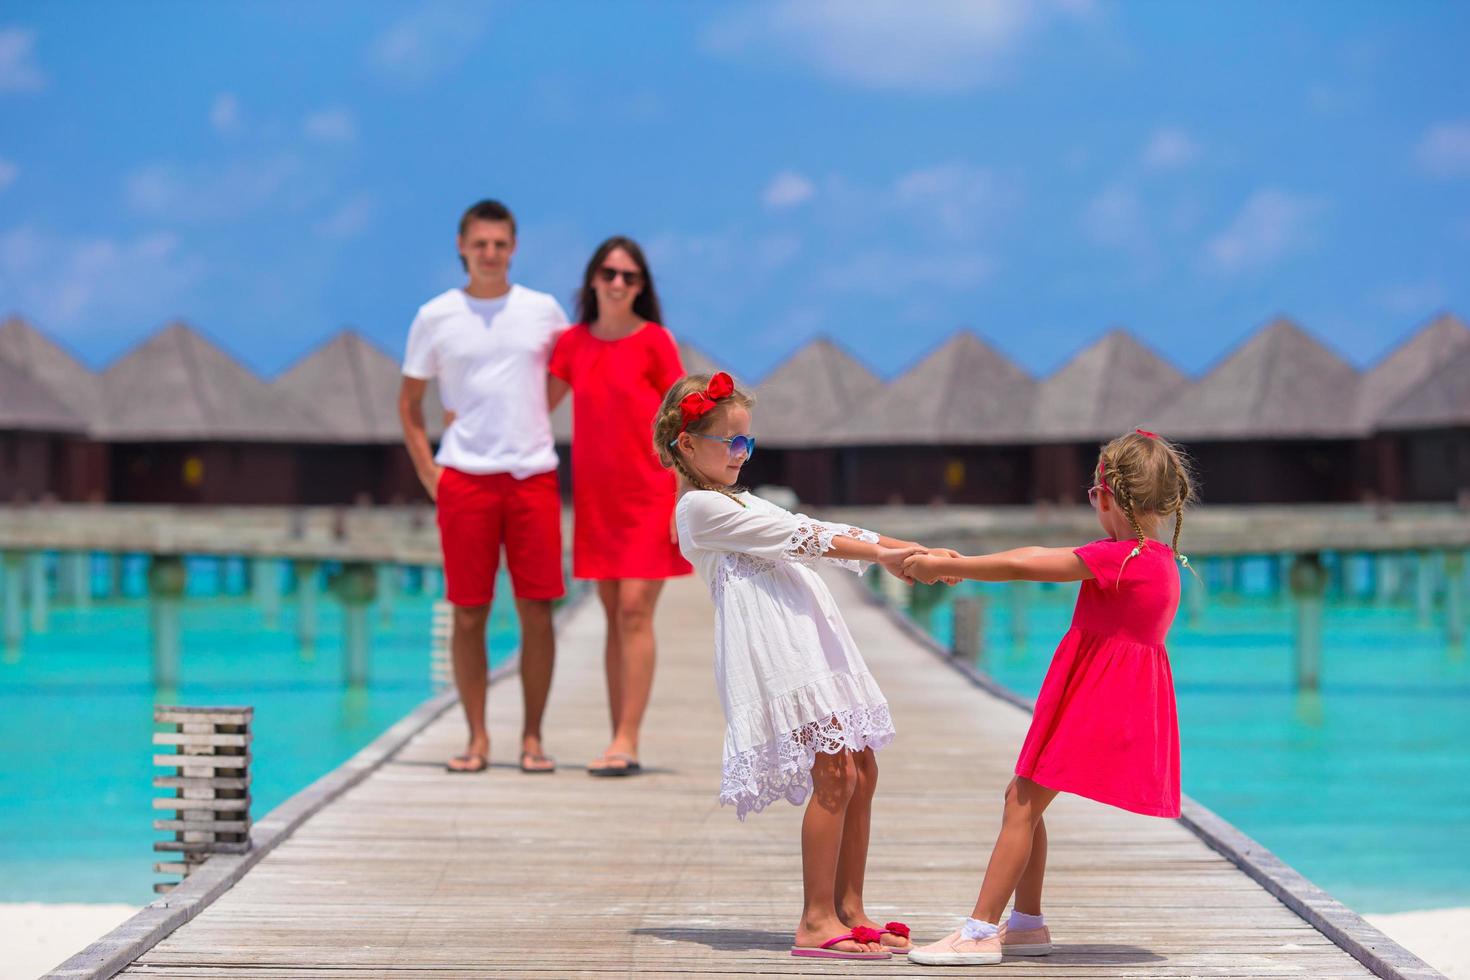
[927, 567]
[894, 560]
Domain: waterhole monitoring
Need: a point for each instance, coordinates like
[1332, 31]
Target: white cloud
[1444, 150]
[1414, 299]
[887, 272]
[8, 172]
[64, 280]
[224, 114]
[1115, 219]
[349, 220]
[163, 190]
[787, 189]
[934, 46]
[1169, 149]
[331, 126]
[18, 69]
[955, 198]
[428, 42]
[1272, 225]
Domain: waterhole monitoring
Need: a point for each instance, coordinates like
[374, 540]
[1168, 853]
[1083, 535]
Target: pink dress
[1105, 725]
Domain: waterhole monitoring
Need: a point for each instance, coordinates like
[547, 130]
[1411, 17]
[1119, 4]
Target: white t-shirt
[490, 357]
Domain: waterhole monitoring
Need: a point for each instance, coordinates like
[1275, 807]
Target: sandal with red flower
[861, 934]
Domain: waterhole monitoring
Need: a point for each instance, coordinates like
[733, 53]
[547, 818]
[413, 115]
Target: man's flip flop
[535, 758]
[630, 766]
[476, 763]
[862, 934]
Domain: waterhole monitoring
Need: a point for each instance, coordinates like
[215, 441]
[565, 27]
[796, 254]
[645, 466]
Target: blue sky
[1037, 170]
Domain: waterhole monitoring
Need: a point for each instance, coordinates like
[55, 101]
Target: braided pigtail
[1149, 478]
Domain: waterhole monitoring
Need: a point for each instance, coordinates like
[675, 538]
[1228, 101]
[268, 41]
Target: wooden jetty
[413, 872]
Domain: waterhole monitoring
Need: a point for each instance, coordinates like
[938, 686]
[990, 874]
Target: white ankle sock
[978, 929]
[1020, 921]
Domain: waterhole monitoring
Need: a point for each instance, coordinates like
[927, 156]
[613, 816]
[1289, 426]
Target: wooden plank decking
[418, 873]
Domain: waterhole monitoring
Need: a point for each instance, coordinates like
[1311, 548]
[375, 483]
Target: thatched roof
[1282, 383]
[178, 386]
[53, 367]
[1407, 366]
[352, 387]
[26, 405]
[695, 361]
[965, 392]
[1106, 389]
[808, 396]
[1439, 401]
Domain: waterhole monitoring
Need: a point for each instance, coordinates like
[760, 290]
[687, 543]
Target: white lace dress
[789, 674]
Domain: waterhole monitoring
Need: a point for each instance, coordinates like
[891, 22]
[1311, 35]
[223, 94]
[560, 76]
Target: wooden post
[441, 629]
[1424, 587]
[969, 630]
[308, 591]
[1454, 597]
[433, 581]
[387, 591]
[265, 583]
[38, 591]
[1194, 595]
[1019, 594]
[10, 584]
[114, 575]
[893, 589]
[355, 586]
[167, 579]
[74, 577]
[1386, 577]
[1308, 583]
[210, 780]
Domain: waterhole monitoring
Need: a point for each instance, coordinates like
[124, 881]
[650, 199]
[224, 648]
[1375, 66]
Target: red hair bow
[1147, 434]
[698, 403]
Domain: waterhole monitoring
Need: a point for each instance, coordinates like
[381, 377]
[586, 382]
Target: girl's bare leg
[1028, 892]
[834, 780]
[1025, 803]
[852, 860]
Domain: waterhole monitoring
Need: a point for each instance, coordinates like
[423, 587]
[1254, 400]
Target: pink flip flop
[900, 930]
[862, 934]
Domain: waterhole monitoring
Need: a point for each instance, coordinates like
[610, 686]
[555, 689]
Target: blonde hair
[1148, 475]
[669, 422]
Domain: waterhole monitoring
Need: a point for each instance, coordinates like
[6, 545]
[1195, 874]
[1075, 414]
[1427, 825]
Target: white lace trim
[811, 540]
[782, 768]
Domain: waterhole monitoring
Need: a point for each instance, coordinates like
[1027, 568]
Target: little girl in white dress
[802, 711]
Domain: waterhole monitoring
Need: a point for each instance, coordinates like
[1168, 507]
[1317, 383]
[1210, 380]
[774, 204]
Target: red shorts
[478, 513]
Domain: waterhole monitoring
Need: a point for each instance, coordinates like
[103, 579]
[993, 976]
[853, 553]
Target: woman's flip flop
[630, 766]
[862, 934]
[538, 763]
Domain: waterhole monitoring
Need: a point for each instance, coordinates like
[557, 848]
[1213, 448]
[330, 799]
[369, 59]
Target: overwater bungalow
[350, 387]
[1431, 427]
[188, 423]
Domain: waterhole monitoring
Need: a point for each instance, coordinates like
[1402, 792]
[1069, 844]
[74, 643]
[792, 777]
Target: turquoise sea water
[76, 721]
[1364, 788]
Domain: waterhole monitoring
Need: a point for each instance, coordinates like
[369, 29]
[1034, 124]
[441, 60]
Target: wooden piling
[969, 629]
[210, 784]
[441, 629]
[1308, 584]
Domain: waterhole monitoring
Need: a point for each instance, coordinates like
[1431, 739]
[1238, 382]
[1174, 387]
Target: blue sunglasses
[738, 444]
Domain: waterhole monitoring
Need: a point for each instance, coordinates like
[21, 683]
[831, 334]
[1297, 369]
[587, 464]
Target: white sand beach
[1439, 937]
[39, 937]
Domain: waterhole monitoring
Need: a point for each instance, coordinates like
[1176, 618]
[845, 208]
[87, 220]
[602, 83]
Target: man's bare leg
[538, 655]
[467, 649]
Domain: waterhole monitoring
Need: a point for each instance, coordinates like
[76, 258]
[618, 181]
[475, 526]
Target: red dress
[622, 496]
[1105, 725]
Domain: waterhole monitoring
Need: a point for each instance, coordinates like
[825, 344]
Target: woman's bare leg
[635, 605]
[607, 594]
